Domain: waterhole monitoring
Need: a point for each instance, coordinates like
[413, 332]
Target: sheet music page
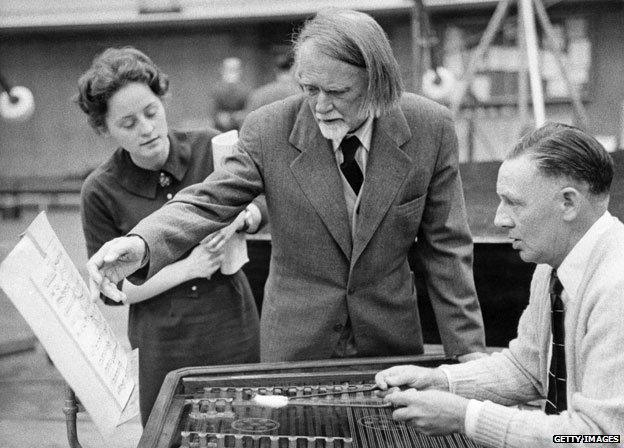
[235, 249]
[46, 288]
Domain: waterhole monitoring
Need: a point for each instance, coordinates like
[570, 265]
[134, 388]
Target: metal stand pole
[486, 40]
[535, 78]
[579, 109]
[70, 410]
[523, 87]
[417, 59]
[620, 143]
[7, 88]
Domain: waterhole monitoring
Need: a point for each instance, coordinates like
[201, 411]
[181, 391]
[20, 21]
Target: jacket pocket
[410, 207]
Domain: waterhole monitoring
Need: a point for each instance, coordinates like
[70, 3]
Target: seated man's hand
[115, 260]
[432, 412]
[411, 376]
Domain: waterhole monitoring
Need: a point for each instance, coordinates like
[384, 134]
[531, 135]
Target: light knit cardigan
[594, 341]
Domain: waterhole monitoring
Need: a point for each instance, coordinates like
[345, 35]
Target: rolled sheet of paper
[18, 106]
[235, 249]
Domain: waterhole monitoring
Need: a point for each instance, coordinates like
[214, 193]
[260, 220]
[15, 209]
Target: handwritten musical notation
[45, 286]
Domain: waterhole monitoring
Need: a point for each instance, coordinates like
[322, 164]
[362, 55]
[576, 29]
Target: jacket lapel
[317, 174]
[385, 172]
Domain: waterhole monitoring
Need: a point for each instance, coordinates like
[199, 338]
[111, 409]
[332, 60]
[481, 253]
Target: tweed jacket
[320, 274]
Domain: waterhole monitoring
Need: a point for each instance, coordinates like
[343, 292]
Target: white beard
[335, 131]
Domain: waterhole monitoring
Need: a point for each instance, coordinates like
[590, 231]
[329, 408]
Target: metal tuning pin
[352, 390]
[359, 400]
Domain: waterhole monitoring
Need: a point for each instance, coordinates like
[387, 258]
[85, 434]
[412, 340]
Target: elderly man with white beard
[354, 171]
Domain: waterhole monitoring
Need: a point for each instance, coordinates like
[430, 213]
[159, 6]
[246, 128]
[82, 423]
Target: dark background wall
[57, 141]
[502, 280]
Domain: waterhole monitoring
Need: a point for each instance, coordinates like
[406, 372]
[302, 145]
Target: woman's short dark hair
[561, 150]
[110, 71]
[357, 39]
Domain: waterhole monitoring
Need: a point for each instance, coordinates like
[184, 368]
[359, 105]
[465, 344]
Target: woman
[189, 313]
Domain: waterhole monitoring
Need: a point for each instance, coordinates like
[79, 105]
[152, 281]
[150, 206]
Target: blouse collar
[144, 182]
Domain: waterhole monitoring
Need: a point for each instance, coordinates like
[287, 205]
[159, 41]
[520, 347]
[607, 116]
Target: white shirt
[365, 134]
[570, 274]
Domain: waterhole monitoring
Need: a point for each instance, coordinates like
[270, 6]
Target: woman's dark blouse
[199, 322]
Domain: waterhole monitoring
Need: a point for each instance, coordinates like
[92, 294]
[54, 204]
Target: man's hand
[432, 412]
[114, 261]
[412, 376]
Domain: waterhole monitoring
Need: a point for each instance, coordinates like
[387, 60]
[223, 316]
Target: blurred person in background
[189, 313]
[284, 85]
[230, 96]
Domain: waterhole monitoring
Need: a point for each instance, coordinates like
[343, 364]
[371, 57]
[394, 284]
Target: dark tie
[349, 167]
[557, 400]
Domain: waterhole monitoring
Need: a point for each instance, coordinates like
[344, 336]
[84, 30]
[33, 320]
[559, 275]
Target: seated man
[554, 193]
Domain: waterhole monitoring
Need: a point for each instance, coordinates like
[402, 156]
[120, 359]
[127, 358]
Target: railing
[41, 192]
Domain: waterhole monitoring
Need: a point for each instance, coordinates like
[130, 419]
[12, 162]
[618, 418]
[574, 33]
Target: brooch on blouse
[164, 179]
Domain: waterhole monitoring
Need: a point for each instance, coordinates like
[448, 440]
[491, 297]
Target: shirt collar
[364, 134]
[573, 266]
[144, 182]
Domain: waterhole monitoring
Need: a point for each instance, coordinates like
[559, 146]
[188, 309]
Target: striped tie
[557, 400]
[350, 167]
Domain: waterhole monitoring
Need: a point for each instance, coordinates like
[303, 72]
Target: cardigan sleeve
[511, 376]
[596, 402]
